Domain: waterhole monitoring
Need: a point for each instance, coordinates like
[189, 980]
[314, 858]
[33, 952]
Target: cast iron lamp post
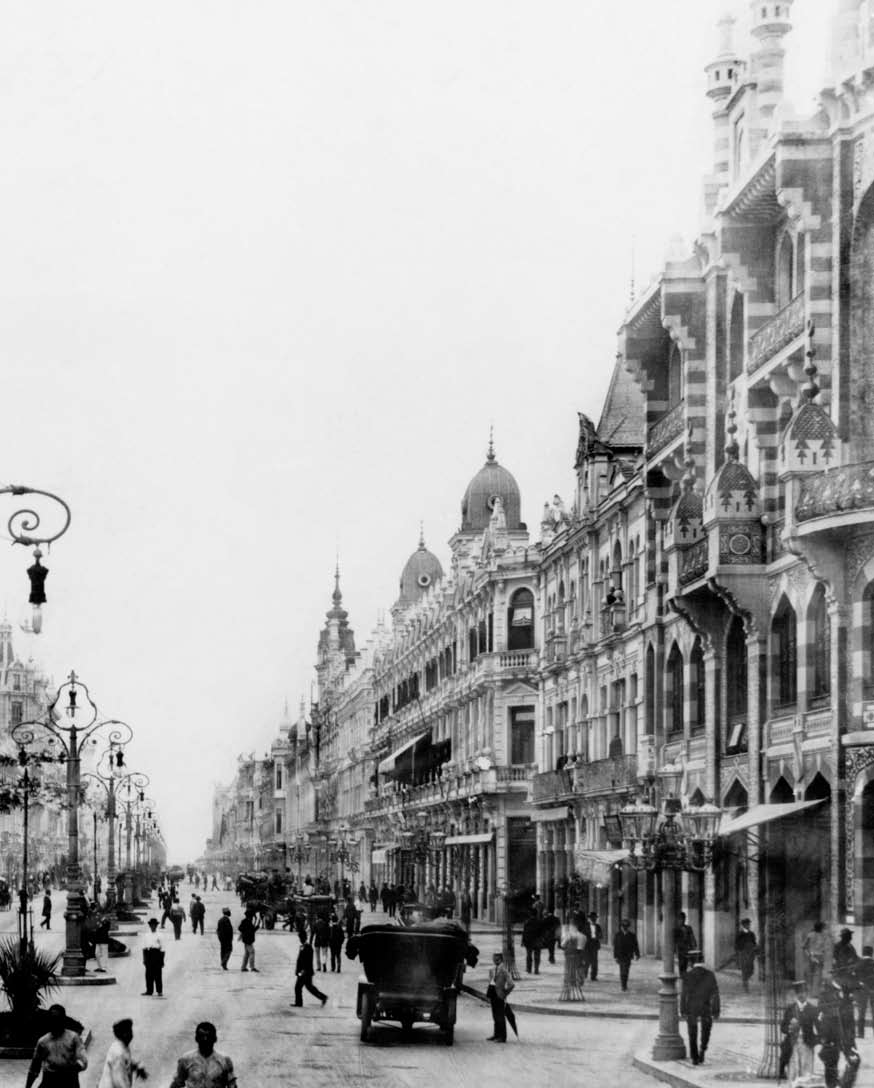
[110, 775]
[61, 727]
[129, 793]
[340, 850]
[299, 852]
[23, 527]
[682, 842]
[418, 838]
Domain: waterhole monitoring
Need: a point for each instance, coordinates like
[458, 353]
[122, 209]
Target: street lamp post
[682, 842]
[417, 839]
[133, 787]
[341, 851]
[299, 852]
[60, 726]
[24, 527]
[109, 775]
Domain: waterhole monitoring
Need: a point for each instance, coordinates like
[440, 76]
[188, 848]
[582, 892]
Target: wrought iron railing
[775, 334]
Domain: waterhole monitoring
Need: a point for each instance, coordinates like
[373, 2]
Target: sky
[268, 274]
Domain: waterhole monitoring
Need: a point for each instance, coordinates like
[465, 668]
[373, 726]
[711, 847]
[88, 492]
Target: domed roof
[492, 480]
[420, 572]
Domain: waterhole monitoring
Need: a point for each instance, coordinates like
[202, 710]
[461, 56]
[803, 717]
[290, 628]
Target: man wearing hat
[225, 933]
[836, 1027]
[625, 948]
[745, 950]
[153, 960]
[800, 1035]
[699, 1002]
[844, 955]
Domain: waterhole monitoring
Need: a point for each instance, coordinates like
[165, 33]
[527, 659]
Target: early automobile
[411, 974]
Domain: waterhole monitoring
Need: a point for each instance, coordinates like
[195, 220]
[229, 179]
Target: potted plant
[27, 976]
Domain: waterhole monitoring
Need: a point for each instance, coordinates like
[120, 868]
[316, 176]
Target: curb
[87, 980]
[660, 1072]
[602, 1014]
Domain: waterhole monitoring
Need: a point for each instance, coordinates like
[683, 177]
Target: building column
[839, 628]
[757, 687]
[715, 725]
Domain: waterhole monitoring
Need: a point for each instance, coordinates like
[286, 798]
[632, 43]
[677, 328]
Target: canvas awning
[462, 840]
[549, 815]
[597, 865]
[388, 764]
[763, 814]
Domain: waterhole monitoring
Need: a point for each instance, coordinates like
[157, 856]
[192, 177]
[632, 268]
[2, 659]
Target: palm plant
[25, 976]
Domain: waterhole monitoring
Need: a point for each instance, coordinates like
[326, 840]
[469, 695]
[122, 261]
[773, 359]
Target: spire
[490, 456]
[810, 389]
[337, 595]
[421, 536]
[732, 449]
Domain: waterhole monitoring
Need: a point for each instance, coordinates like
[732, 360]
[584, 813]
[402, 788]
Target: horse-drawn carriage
[412, 973]
[267, 894]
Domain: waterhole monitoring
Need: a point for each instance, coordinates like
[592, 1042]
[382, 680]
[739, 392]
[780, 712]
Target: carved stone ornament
[863, 166]
[858, 551]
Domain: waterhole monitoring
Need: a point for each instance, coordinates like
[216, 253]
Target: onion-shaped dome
[421, 571]
[491, 481]
[733, 493]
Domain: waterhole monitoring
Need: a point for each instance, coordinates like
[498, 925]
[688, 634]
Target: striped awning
[388, 764]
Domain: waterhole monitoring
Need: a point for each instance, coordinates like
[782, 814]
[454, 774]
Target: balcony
[551, 786]
[775, 334]
[692, 562]
[837, 492]
[666, 429]
[606, 775]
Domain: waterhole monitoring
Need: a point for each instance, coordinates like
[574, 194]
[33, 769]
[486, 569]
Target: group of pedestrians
[60, 1057]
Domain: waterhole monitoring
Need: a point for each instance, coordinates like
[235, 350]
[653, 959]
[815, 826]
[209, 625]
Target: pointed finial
[732, 449]
[421, 535]
[688, 481]
[810, 388]
[338, 596]
[490, 456]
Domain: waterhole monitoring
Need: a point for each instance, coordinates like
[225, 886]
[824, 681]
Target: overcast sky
[269, 270]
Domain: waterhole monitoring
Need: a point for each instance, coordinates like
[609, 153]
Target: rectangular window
[521, 735]
[16, 682]
[16, 713]
[279, 776]
[279, 821]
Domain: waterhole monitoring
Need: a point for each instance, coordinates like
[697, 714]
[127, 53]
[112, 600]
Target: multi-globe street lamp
[111, 776]
[62, 727]
[129, 797]
[682, 842]
[419, 838]
[340, 851]
[299, 852]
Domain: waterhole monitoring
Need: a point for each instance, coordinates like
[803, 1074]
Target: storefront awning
[597, 865]
[549, 815]
[388, 764]
[461, 840]
[763, 814]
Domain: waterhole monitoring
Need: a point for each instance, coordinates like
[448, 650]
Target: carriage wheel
[366, 1015]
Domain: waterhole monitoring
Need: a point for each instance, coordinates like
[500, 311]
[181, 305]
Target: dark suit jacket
[304, 965]
[625, 946]
[700, 993]
[806, 1018]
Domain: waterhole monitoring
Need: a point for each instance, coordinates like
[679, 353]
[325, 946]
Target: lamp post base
[74, 958]
[668, 1045]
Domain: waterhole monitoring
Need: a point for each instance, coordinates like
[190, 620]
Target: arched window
[820, 645]
[675, 376]
[699, 688]
[736, 338]
[784, 656]
[800, 264]
[520, 621]
[560, 609]
[649, 700]
[616, 572]
[784, 271]
[674, 690]
[736, 685]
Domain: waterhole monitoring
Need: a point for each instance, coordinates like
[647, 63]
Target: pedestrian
[684, 942]
[177, 917]
[373, 897]
[594, 946]
[353, 918]
[532, 941]
[153, 960]
[205, 1067]
[225, 932]
[391, 901]
[303, 972]
[46, 922]
[499, 989]
[59, 1054]
[699, 1003]
[322, 942]
[335, 941]
[198, 913]
[167, 903]
[466, 908]
[551, 930]
[215, 886]
[89, 931]
[844, 954]
[863, 974]
[383, 895]
[119, 1068]
[101, 942]
[537, 905]
[625, 948]
[192, 912]
[835, 1026]
[814, 947]
[362, 892]
[800, 1035]
[446, 902]
[745, 951]
[246, 929]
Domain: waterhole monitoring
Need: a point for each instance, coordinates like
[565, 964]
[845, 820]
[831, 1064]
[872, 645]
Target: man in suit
[836, 1027]
[699, 1002]
[863, 973]
[625, 948]
[800, 1036]
[500, 985]
[594, 946]
[745, 950]
[684, 942]
[304, 975]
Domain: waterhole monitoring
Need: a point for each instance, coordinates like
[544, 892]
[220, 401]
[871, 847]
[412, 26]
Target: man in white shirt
[153, 960]
[119, 1068]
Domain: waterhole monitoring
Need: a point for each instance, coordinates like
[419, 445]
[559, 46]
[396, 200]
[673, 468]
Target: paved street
[274, 1044]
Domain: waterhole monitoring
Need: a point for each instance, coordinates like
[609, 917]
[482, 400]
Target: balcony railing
[692, 562]
[551, 786]
[666, 429]
[604, 775]
[836, 491]
[775, 334]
